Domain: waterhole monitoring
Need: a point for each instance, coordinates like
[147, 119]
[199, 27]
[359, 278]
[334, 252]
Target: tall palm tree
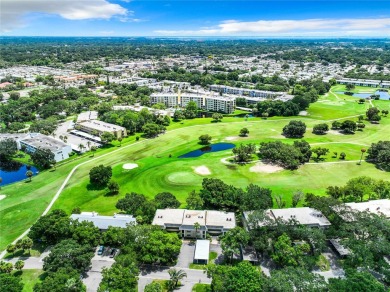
[363, 150]
[81, 147]
[197, 227]
[89, 145]
[176, 276]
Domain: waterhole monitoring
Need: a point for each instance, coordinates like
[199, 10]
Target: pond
[13, 171]
[382, 94]
[210, 148]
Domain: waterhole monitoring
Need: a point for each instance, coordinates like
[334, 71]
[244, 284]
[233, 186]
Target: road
[35, 263]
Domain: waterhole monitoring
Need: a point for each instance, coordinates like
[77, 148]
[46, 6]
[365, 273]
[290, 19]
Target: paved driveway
[94, 275]
[186, 255]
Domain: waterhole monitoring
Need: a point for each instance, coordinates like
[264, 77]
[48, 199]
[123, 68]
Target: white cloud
[13, 12]
[333, 27]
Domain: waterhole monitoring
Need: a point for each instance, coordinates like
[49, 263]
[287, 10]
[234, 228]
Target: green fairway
[160, 170]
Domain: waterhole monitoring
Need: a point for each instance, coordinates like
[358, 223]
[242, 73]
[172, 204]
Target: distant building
[103, 222]
[91, 126]
[31, 142]
[359, 82]
[245, 91]
[305, 216]
[87, 116]
[215, 103]
[183, 221]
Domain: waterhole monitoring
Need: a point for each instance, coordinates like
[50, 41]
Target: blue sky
[195, 18]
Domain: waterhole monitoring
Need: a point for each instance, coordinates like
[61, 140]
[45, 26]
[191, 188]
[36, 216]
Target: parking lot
[94, 275]
[73, 140]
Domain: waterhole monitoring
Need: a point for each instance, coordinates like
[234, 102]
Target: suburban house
[32, 141]
[103, 222]
[195, 223]
[305, 216]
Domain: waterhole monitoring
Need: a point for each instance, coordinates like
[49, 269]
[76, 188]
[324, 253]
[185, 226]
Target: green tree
[85, 233]
[153, 287]
[244, 153]
[11, 248]
[336, 125]
[51, 228]
[356, 282]
[294, 129]
[379, 154]
[160, 248]
[120, 141]
[256, 198]
[10, 283]
[137, 205]
[152, 130]
[320, 129]
[176, 276]
[194, 201]
[166, 200]
[19, 265]
[68, 254]
[8, 148]
[113, 187]
[107, 137]
[217, 117]
[64, 279]
[292, 279]
[119, 278]
[319, 151]
[100, 175]
[205, 139]
[348, 126]
[196, 227]
[191, 110]
[342, 155]
[372, 114]
[244, 132]
[232, 240]
[6, 267]
[287, 255]
[42, 158]
[93, 150]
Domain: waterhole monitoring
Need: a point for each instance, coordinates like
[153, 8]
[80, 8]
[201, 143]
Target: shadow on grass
[95, 187]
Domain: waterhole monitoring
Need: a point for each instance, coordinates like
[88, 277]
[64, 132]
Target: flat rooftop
[103, 222]
[378, 207]
[42, 141]
[202, 250]
[194, 216]
[219, 218]
[101, 126]
[168, 216]
[304, 216]
[86, 116]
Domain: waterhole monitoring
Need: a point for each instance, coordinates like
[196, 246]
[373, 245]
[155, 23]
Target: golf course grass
[160, 170]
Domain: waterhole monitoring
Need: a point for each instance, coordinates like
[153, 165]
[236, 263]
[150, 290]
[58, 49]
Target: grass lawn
[30, 278]
[201, 288]
[159, 168]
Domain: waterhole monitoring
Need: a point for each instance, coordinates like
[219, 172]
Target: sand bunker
[265, 168]
[2, 197]
[202, 170]
[231, 138]
[128, 166]
[335, 132]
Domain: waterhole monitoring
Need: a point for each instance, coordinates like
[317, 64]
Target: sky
[213, 18]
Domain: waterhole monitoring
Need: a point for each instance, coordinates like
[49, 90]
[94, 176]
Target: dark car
[113, 253]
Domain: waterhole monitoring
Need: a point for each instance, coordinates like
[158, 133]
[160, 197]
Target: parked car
[113, 252]
[101, 250]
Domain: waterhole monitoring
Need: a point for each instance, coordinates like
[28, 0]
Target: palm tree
[81, 147]
[93, 149]
[120, 141]
[363, 150]
[29, 174]
[197, 227]
[176, 276]
[89, 145]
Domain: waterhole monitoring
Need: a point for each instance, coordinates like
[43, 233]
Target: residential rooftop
[103, 222]
[37, 140]
[202, 250]
[378, 207]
